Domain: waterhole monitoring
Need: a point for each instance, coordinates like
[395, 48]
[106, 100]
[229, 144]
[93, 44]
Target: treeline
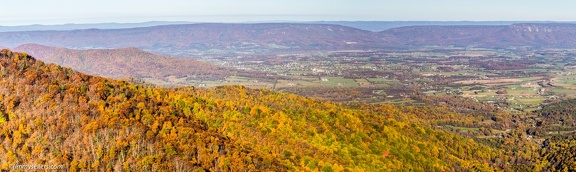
[558, 154]
[562, 111]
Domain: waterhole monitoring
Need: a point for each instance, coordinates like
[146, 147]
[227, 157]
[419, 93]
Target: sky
[25, 12]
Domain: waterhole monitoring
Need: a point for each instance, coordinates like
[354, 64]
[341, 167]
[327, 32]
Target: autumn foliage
[53, 115]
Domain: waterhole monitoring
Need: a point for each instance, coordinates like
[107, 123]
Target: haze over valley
[364, 86]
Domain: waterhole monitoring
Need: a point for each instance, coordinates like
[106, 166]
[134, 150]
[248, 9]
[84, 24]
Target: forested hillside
[558, 154]
[126, 62]
[56, 116]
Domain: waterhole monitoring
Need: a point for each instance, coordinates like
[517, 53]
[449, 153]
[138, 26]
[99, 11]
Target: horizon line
[287, 21]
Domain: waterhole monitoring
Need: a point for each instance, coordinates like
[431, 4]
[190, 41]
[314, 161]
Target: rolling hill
[178, 39]
[202, 37]
[127, 62]
[56, 116]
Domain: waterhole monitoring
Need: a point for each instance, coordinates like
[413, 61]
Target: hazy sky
[95, 11]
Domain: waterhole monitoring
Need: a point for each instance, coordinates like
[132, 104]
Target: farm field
[512, 79]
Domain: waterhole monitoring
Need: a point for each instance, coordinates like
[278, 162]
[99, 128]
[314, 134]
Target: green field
[462, 128]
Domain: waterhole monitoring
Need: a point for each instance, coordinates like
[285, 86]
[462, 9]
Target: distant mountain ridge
[202, 37]
[289, 37]
[377, 26]
[558, 35]
[374, 26]
[63, 27]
